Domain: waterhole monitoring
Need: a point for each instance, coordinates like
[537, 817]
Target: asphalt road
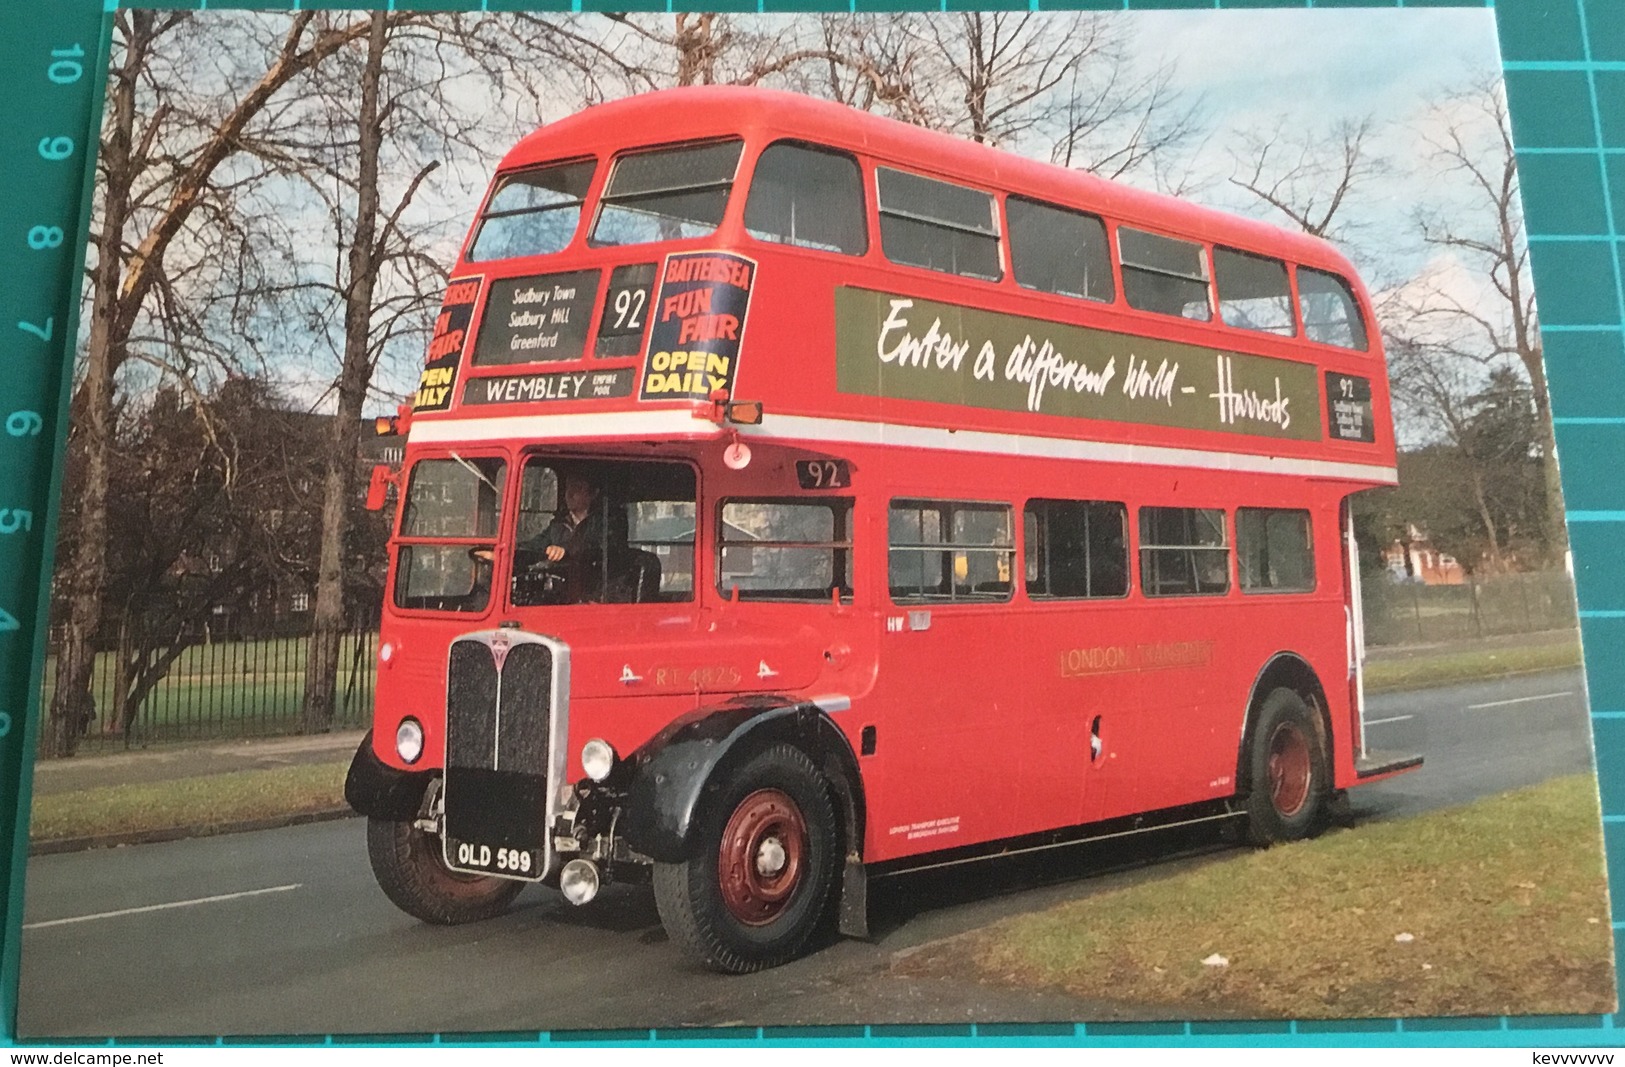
[284, 931]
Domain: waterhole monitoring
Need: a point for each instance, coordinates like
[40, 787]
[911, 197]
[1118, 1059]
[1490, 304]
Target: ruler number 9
[24, 424]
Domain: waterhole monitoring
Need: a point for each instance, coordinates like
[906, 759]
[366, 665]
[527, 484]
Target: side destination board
[1348, 408]
[907, 348]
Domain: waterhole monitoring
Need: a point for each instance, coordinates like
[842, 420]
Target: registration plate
[494, 859]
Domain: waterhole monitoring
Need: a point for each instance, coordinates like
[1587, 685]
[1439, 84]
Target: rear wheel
[1289, 771]
[758, 879]
[413, 875]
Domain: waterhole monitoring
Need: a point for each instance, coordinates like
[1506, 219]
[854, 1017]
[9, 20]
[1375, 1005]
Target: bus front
[596, 589]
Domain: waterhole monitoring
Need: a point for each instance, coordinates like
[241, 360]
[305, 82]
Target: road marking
[162, 907]
[1521, 700]
[1391, 718]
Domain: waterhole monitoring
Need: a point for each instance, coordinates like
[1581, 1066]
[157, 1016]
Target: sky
[1295, 70]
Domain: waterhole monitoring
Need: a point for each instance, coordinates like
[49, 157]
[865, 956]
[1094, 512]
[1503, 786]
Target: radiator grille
[498, 724]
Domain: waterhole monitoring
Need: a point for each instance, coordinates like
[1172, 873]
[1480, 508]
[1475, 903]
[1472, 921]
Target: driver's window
[603, 532]
[538, 500]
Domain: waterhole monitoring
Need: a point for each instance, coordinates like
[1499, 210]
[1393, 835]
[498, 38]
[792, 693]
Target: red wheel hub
[763, 852]
[1290, 769]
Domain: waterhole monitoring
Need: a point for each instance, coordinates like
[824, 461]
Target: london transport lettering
[699, 318]
[914, 349]
[446, 347]
[1116, 659]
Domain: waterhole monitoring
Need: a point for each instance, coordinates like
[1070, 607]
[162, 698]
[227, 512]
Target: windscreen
[533, 213]
[667, 194]
[448, 526]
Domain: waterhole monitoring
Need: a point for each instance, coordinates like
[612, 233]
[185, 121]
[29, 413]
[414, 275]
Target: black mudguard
[373, 787]
[675, 770]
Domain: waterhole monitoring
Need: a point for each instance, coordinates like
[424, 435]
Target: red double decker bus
[793, 497]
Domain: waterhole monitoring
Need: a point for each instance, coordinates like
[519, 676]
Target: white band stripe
[668, 423]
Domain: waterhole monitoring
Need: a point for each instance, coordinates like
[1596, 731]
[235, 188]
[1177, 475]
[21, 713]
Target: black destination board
[539, 319]
[1348, 408]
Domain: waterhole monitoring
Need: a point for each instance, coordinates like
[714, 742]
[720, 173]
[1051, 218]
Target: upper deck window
[1253, 292]
[811, 197]
[667, 194]
[936, 225]
[1163, 274]
[533, 213]
[1330, 314]
[1059, 251]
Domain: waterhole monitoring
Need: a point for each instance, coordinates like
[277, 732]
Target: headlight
[597, 759]
[409, 740]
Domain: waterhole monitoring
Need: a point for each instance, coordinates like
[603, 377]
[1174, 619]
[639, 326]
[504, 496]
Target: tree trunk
[1557, 539]
[338, 483]
[122, 281]
[85, 571]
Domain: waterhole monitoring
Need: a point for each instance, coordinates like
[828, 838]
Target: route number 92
[823, 473]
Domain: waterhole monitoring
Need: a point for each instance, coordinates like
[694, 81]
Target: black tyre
[413, 875]
[757, 882]
[1289, 772]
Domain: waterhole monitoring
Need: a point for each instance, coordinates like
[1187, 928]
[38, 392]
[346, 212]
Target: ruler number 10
[65, 68]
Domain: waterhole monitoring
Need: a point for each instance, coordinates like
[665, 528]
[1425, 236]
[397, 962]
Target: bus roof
[671, 115]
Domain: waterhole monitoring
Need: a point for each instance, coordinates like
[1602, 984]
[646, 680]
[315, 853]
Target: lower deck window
[1076, 548]
[1276, 549]
[949, 551]
[1183, 552]
[785, 550]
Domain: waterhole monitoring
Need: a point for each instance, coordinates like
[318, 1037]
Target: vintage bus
[793, 497]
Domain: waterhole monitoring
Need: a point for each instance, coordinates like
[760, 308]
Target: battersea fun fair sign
[903, 347]
[699, 318]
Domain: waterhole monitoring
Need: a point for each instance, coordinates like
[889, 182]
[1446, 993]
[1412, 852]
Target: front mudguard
[678, 769]
[372, 787]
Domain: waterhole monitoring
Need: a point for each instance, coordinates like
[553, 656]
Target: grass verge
[202, 803]
[1498, 908]
[1466, 665]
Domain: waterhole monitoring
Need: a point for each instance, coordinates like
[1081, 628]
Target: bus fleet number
[823, 473]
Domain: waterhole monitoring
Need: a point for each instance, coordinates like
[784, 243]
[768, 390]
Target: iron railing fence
[1400, 613]
[220, 689]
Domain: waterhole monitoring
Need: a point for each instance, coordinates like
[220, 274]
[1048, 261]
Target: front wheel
[1289, 771]
[757, 881]
[413, 875]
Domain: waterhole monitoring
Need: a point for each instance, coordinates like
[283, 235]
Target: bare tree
[1471, 143]
[1310, 177]
[150, 195]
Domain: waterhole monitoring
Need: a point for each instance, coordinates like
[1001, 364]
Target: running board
[1375, 764]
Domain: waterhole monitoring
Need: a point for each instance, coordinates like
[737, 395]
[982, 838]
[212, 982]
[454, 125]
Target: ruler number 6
[13, 520]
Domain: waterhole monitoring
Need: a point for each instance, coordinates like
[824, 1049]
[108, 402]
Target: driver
[577, 530]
